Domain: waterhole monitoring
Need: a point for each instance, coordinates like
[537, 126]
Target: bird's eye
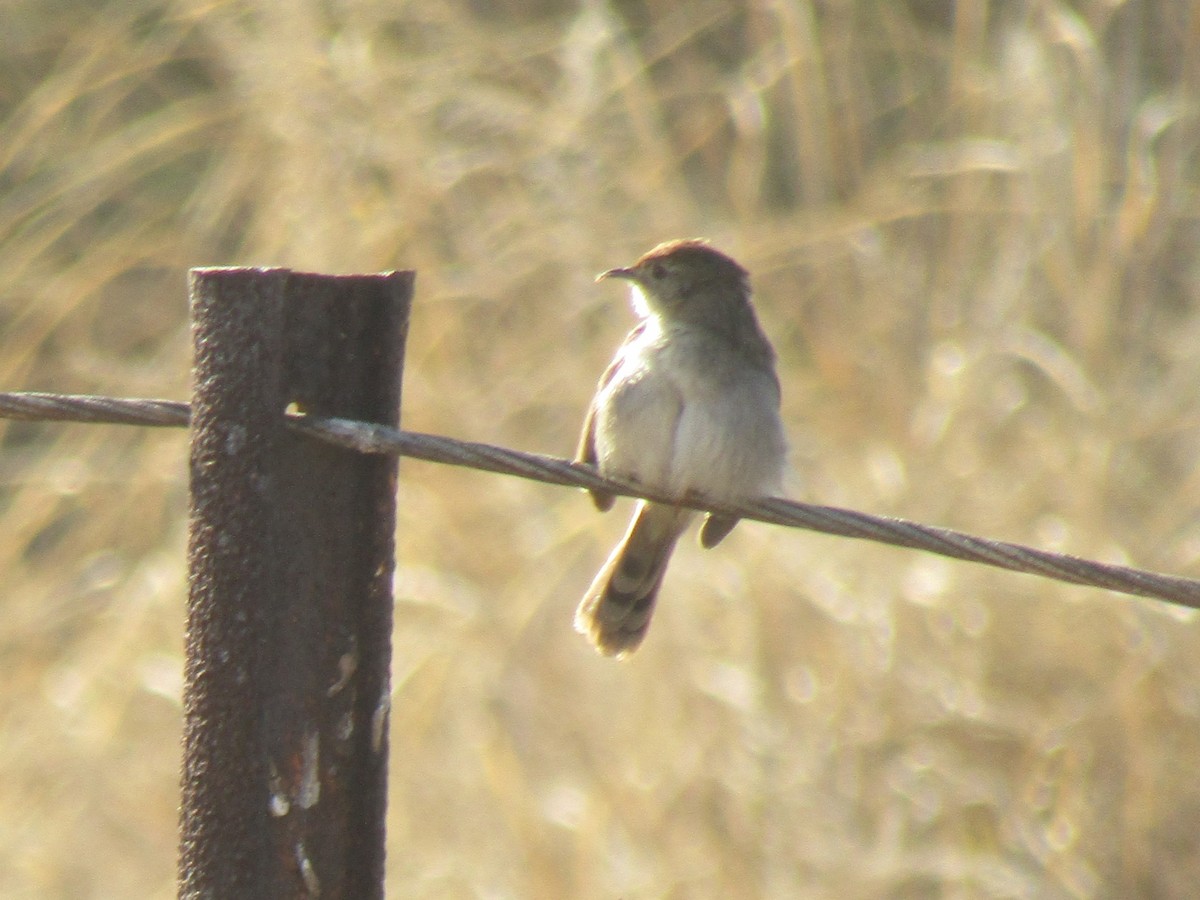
[657, 270]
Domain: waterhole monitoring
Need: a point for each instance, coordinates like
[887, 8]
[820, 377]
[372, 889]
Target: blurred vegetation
[974, 234]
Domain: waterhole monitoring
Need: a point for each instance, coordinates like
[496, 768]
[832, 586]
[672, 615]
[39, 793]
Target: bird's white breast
[683, 411]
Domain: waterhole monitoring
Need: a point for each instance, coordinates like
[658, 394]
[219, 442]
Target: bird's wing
[587, 440]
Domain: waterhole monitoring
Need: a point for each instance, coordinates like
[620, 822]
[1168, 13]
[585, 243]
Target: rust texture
[290, 585]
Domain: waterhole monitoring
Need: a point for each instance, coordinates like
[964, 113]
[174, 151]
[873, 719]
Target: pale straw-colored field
[974, 235]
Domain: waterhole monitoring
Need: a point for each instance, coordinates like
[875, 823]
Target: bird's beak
[629, 274]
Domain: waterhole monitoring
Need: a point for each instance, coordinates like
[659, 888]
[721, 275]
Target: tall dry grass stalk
[973, 233]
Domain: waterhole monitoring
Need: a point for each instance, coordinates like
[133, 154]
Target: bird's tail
[616, 610]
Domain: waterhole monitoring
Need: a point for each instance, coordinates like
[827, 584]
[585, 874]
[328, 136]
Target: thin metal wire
[39, 407]
[365, 437]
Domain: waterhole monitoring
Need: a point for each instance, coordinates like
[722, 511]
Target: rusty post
[290, 571]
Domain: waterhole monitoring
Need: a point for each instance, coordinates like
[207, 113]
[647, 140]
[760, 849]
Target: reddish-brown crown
[694, 252]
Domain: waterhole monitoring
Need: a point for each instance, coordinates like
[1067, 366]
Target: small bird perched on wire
[690, 404]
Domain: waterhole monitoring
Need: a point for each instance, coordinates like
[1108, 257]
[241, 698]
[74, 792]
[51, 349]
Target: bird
[689, 406]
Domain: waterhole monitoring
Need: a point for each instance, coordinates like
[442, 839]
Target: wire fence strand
[365, 437]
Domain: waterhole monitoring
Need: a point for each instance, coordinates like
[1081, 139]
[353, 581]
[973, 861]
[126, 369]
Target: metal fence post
[290, 570]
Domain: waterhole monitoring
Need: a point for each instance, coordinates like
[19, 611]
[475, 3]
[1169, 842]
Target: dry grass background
[973, 229]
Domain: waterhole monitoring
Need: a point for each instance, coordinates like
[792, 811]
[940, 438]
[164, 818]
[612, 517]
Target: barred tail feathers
[616, 610]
